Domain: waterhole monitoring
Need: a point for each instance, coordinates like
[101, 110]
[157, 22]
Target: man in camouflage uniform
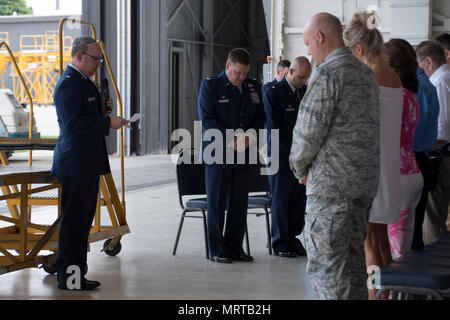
[335, 152]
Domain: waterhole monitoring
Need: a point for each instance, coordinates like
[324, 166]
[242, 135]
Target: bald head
[299, 72]
[301, 62]
[326, 23]
[323, 35]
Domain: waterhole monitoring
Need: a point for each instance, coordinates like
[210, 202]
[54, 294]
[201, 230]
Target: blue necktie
[238, 95]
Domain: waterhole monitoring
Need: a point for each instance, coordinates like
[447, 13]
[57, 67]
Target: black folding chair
[260, 184]
[419, 274]
[191, 182]
[410, 280]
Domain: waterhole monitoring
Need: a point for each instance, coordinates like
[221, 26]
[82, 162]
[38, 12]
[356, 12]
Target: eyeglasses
[97, 59]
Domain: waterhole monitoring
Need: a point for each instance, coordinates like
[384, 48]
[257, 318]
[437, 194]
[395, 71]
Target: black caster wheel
[49, 268]
[110, 249]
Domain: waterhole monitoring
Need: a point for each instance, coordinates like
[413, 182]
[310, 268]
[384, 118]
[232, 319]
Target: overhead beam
[239, 22]
[225, 20]
[176, 10]
[194, 16]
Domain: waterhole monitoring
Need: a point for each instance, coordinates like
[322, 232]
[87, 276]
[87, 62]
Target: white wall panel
[411, 20]
[408, 19]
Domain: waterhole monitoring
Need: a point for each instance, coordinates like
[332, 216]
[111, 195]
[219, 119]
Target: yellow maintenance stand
[38, 60]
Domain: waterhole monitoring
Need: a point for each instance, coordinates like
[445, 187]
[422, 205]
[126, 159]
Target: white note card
[136, 117]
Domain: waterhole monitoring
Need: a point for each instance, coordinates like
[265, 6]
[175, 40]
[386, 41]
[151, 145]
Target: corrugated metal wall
[175, 44]
[102, 14]
[201, 33]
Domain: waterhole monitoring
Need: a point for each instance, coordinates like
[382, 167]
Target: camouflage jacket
[336, 140]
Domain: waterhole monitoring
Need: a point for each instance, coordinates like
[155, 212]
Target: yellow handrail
[119, 99]
[61, 41]
[37, 42]
[111, 73]
[19, 73]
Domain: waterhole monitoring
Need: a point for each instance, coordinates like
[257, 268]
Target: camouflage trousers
[334, 231]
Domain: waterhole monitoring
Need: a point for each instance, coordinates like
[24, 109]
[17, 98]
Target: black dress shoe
[86, 285]
[221, 259]
[243, 257]
[285, 253]
[301, 252]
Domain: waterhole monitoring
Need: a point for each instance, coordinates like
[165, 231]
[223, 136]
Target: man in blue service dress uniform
[282, 70]
[281, 103]
[229, 101]
[80, 157]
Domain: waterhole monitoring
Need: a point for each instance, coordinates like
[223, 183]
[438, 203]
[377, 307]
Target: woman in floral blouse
[398, 54]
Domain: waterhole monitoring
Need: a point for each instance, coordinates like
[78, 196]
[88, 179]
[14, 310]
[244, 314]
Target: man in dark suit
[229, 101]
[282, 70]
[281, 103]
[80, 156]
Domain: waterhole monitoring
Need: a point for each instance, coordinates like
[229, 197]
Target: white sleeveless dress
[386, 206]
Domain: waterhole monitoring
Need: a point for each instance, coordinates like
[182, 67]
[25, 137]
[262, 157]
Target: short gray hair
[239, 55]
[431, 49]
[81, 45]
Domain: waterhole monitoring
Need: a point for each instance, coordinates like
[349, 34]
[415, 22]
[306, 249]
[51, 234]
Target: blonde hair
[362, 29]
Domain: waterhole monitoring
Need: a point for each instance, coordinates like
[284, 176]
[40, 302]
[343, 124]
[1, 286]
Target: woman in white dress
[366, 43]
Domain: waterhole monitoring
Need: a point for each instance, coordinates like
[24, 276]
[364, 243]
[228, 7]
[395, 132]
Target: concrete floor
[146, 268]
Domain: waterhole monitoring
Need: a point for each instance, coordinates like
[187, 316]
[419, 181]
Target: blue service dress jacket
[281, 106]
[268, 85]
[222, 107]
[81, 147]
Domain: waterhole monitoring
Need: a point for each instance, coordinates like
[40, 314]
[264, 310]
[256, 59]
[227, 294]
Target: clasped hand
[242, 141]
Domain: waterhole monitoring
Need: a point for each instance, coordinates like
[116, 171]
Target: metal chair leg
[246, 240]
[269, 238]
[180, 226]
[205, 231]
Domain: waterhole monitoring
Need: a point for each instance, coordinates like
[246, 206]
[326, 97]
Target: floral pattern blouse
[410, 118]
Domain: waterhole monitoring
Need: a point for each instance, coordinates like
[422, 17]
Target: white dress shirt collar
[439, 73]
[291, 85]
[82, 74]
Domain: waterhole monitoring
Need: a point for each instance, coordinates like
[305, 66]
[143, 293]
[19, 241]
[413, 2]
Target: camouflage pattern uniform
[336, 147]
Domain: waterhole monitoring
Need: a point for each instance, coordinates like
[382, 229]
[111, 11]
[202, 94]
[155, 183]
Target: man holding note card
[80, 158]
